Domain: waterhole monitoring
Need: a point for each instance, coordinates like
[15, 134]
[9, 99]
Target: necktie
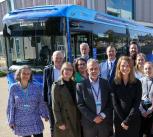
[111, 64]
[109, 70]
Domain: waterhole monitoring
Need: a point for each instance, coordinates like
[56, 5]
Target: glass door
[76, 40]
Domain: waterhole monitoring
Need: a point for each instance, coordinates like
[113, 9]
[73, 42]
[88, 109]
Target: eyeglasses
[82, 64]
[68, 69]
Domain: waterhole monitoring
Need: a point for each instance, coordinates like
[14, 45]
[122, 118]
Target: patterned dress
[25, 109]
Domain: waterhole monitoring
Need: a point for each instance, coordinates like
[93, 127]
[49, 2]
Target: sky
[2, 0]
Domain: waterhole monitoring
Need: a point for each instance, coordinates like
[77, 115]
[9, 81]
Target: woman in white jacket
[146, 106]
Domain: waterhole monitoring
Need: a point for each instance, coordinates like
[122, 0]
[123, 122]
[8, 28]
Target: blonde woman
[67, 122]
[140, 60]
[146, 106]
[126, 98]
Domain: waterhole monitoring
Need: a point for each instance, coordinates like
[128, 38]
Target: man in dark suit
[108, 67]
[93, 99]
[51, 74]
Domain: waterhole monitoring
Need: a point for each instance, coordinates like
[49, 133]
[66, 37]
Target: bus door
[76, 40]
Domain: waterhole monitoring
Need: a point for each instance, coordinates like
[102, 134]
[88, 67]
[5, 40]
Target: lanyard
[25, 95]
[96, 94]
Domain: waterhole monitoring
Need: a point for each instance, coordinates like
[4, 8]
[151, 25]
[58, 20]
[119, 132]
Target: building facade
[143, 12]
[120, 8]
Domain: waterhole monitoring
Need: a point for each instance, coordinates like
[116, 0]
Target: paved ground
[4, 128]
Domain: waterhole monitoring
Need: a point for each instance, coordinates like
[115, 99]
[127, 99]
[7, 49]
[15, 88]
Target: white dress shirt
[56, 73]
[96, 91]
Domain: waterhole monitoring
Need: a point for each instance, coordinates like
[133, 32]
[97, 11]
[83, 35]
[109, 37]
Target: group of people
[85, 99]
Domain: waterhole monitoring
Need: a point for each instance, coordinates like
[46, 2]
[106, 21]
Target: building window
[120, 8]
[90, 4]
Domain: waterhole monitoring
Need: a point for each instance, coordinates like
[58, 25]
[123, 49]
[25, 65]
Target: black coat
[126, 101]
[47, 84]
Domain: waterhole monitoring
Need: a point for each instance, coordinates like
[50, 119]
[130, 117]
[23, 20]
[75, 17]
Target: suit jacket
[104, 70]
[47, 84]
[86, 102]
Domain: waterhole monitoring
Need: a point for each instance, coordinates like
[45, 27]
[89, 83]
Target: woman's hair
[149, 63]
[18, 73]
[64, 66]
[118, 75]
[136, 66]
[76, 63]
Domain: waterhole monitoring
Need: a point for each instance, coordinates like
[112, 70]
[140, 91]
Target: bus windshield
[32, 42]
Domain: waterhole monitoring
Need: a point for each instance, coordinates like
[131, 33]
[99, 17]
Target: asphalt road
[5, 131]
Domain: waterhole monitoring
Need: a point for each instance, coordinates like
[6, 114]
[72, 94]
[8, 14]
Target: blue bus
[32, 34]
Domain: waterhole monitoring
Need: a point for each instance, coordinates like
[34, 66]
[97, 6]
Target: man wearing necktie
[93, 100]
[108, 67]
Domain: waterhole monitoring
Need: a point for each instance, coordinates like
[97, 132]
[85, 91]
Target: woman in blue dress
[25, 105]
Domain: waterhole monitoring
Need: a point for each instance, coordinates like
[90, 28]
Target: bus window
[99, 36]
[107, 34]
[24, 50]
